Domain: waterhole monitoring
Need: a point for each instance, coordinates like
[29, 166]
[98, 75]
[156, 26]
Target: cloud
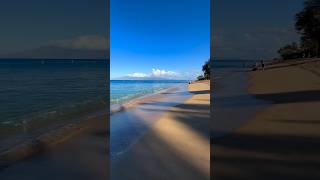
[156, 74]
[86, 42]
[81, 47]
[138, 75]
[163, 73]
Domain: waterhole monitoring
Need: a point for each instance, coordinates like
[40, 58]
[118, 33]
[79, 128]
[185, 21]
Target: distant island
[55, 52]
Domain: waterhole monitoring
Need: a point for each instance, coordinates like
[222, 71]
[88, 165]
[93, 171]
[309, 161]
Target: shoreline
[141, 99]
[188, 122]
[62, 133]
[233, 104]
[82, 155]
[282, 137]
[54, 135]
[29, 131]
[128, 125]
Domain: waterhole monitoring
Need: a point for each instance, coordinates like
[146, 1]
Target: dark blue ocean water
[50, 90]
[122, 91]
[56, 90]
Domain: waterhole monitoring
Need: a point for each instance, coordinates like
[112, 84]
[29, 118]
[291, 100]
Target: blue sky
[76, 24]
[169, 38]
[166, 35]
[253, 29]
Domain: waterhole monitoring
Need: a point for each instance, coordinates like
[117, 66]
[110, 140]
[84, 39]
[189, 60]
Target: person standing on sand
[255, 67]
[262, 65]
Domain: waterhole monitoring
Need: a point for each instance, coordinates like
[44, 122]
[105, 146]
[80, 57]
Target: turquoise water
[50, 90]
[122, 91]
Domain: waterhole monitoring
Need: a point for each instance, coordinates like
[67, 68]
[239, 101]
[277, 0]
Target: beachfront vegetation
[308, 26]
[291, 51]
[206, 71]
[201, 77]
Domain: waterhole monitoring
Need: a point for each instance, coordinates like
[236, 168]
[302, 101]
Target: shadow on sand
[291, 97]
[266, 157]
[154, 158]
[83, 156]
[244, 155]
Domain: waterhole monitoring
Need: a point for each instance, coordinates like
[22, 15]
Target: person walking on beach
[255, 67]
[262, 65]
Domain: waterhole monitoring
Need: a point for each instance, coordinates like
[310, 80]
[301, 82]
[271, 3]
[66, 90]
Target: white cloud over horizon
[156, 73]
[166, 74]
[138, 75]
[163, 73]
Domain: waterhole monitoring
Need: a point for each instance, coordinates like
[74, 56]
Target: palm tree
[308, 24]
[291, 51]
[206, 69]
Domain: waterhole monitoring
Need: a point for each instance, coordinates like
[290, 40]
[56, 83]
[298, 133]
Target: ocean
[35, 93]
[34, 90]
[122, 91]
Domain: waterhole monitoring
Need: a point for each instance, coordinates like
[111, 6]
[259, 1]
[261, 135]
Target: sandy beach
[282, 140]
[77, 152]
[141, 139]
[176, 146]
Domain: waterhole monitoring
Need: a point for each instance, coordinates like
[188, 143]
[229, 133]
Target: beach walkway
[282, 141]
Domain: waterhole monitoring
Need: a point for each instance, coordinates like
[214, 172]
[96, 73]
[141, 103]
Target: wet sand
[83, 155]
[176, 146]
[138, 116]
[150, 121]
[282, 140]
[233, 105]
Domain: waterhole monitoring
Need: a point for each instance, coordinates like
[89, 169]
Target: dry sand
[176, 147]
[282, 141]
